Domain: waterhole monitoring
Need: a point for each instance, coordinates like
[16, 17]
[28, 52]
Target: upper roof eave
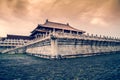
[62, 29]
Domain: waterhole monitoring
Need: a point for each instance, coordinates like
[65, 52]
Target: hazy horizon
[20, 17]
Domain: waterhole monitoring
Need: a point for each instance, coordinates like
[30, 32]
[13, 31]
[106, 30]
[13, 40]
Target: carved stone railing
[84, 36]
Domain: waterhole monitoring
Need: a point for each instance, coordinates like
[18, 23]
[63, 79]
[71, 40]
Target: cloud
[90, 14]
[98, 21]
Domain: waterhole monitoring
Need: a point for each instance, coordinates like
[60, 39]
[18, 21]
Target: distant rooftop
[18, 37]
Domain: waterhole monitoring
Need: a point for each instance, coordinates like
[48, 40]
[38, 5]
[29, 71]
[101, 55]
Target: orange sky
[100, 17]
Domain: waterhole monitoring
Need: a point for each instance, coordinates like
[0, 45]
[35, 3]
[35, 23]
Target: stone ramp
[26, 45]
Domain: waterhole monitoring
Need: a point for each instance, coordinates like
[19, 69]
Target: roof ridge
[57, 23]
[51, 24]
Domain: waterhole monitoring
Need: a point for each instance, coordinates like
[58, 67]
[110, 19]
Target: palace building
[48, 27]
[54, 40]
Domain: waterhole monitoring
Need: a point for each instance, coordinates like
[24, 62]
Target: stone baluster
[100, 36]
[87, 34]
[92, 35]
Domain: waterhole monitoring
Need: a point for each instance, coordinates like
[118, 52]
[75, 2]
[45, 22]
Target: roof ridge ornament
[68, 24]
[47, 20]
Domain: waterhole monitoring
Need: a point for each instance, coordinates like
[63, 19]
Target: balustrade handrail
[83, 36]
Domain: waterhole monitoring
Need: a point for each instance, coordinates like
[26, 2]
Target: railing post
[54, 46]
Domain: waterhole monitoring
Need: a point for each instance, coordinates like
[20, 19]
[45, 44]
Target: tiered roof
[55, 25]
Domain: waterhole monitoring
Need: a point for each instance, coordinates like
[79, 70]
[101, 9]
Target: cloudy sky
[100, 17]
